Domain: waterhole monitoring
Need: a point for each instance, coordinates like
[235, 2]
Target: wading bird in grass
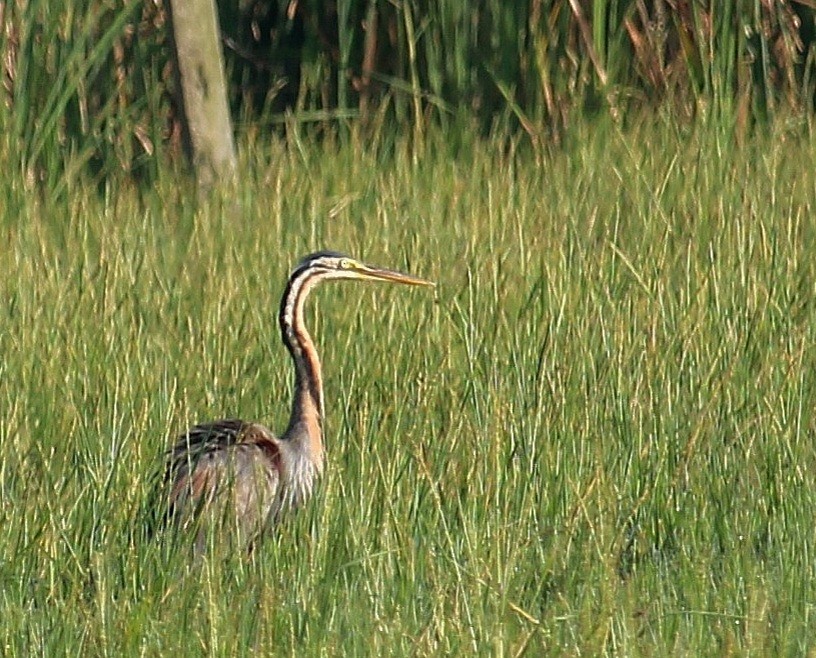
[241, 473]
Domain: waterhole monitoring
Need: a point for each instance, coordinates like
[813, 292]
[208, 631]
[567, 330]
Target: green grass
[596, 436]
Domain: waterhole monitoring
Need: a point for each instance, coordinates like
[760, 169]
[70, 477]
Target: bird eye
[345, 264]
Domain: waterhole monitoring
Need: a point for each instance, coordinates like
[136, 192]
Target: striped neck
[307, 406]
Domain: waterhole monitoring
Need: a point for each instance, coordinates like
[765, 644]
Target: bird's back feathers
[226, 471]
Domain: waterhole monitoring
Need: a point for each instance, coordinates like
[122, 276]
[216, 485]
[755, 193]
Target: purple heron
[240, 471]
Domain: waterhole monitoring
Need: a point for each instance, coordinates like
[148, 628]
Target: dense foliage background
[88, 83]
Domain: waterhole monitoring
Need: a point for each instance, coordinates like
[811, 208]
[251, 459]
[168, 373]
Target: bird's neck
[305, 430]
[306, 420]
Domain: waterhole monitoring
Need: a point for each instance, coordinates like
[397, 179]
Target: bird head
[333, 265]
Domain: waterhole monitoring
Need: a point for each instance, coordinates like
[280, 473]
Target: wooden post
[202, 90]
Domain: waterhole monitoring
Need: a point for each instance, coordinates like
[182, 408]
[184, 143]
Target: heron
[242, 473]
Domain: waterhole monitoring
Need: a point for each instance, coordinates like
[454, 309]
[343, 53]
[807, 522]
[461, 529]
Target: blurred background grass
[597, 436]
[88, 87]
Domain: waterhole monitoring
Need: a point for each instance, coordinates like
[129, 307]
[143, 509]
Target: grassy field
[595, 437]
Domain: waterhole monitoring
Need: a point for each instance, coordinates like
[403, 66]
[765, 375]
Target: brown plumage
[239, 475]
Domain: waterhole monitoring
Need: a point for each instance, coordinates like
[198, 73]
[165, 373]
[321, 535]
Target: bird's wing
[208, 436]
[228, 469]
